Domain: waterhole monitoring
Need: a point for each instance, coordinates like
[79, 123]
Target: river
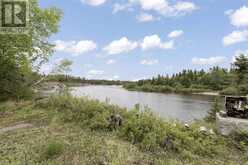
[185, 108]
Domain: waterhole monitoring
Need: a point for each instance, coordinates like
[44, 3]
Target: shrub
[53, 149]
[143, 129]
[88, 113]
[230, 91]
[240, 139]
[216, 107]
[243, 89]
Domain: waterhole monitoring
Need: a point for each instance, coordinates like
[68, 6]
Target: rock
[211, 132]
[228, 125]
[223, 114]
[203, 129]
[186, 125]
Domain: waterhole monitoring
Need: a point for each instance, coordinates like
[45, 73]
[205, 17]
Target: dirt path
[16, 127]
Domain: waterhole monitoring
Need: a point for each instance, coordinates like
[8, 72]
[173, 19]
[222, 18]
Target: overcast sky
[136, 39]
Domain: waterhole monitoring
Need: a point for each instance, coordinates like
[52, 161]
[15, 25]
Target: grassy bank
[69, 130]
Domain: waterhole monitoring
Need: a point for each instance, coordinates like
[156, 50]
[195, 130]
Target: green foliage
[230, 91]
[240, 139]
[20, 54]
[72, 80]
[88, 113]
[63, 67]
[241, 68]
[229, 82]
[216, 107]
[53, 149]
[243, 89]
[143, 129]
[72, 137]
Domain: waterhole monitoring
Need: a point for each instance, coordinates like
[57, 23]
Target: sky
[138, 39]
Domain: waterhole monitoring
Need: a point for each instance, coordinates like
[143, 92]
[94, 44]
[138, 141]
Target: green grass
[72, 130]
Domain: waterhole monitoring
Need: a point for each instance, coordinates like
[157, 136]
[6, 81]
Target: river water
[186, 108]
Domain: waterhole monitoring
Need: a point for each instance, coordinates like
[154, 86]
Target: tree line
[231, 81]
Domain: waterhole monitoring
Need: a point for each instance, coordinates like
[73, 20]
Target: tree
[63, 67]
[60, 70]
[216, 107]
[21, 54]
[241, 68]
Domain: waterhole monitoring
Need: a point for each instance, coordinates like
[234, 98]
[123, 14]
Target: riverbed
[185, 108]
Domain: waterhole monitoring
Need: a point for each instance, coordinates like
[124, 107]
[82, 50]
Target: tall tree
[241, 68]
[21, 54]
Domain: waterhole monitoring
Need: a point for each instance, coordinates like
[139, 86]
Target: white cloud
[115, 77]
[95, 72]
[94, 2]
[153, 41]
[157, 5]
[185, 7]
[111, 61]
[175, 34]
[209, 61]
[120, 46]
[144, 17]
[141, 78]
[167, 45]
[163, 7]
[238, 53]
[235, 37]
[75, 47]
[122, 7]
[149, 62]
[239, 18]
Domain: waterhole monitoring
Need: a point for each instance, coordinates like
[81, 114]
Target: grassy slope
[75, 131]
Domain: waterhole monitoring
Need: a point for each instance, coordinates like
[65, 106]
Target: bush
[216, 107]
[144, 129]
[243, 89]
[88, 113]
[230, 91]
[240, 139]
[53, 149]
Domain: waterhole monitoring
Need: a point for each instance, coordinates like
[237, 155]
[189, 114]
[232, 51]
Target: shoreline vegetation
[231, 81]
[71, 130]
[168, 89]
[216, 81]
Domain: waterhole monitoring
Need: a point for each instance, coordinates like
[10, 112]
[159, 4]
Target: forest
[233, 81]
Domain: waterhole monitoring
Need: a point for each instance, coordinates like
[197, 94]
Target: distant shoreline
[208, 93]
[193, 93]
